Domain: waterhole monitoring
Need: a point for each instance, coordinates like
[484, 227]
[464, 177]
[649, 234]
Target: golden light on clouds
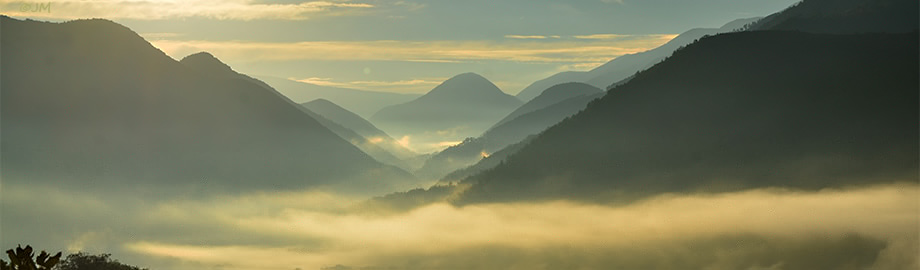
[167, 9]
[872, 228]
[417, 51]
[423, 84]
[437, 231]
[601, 36]
[531, 36]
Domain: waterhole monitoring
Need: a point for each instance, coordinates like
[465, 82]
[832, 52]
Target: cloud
[211, 9]
[447, 143]
[601, 36]
[447, 51]
[163, 35]
[578, 66]
[529, 37]
[728, 231]
[404, 141]
[421, 85]
[410, 6]
[866, 228]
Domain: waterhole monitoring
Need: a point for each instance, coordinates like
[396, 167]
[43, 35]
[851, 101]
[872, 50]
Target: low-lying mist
[852, 228]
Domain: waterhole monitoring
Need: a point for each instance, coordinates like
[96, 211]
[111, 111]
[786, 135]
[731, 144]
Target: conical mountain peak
[466, 85]
[323, 102]
[207, 63]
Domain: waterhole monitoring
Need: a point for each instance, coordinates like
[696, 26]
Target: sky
[404, 46]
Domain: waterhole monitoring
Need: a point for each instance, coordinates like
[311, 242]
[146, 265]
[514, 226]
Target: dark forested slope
[90, 103]
[741, 110]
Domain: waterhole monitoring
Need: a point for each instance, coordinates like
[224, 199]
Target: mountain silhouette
[550, 96]
[209, 65]
[732, 111]
[362, 102]
[624, 66]
[90, 104]
[552, 106]
[846, 17]
[488, 162]
[344, 117]
[462, 106]
[367, 146]
[360, 126]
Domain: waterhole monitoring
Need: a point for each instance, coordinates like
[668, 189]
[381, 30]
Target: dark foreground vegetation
[22, 259]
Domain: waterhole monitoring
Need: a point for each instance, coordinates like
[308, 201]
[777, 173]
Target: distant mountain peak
[469, 75]
[323, 101]
[464, 78]
[563, 88]
[466, 85]
[206, 62]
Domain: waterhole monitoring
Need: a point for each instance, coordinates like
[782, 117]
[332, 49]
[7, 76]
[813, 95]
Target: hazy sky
[405, 46]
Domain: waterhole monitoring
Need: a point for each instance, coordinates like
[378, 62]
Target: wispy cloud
[601, 36]
[412, 85]
[166, 9]
[578, 66]
[410, 6]
[530, 36]
[161, 35]
[572, 51]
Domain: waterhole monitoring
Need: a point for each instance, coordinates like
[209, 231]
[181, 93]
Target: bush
[21, 259]
[84, 261]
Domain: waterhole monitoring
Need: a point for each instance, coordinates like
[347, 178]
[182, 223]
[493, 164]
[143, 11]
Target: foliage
[21, 259]
[84, 261]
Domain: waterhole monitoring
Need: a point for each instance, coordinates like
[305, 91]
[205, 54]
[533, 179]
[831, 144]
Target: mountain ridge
[708, 119]
[463, 106]
[622, 67]
[121, 114]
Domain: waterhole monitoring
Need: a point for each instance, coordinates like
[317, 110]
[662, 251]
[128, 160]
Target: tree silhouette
[84, 261]
[21, 259]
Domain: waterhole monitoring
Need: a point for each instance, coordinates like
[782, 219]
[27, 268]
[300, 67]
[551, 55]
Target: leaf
[14, 260]
[41, 258]
[54, 260]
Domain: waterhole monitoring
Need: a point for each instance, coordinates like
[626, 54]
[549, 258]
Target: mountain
[362, 127]
[487, 162]
[90, 104]
[462, 106]
[367, 146]
[361, 102]
[552, 106]
[534, 89]
[208, 65]
[344, 117]
[211, 66]
[845, 17]
[733, 111]
[624, 66]
[550, 96]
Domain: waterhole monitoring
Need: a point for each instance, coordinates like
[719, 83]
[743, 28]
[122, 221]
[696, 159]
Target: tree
[21, 259]
[84, 261]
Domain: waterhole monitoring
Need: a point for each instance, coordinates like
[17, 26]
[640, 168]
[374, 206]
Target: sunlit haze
[460, 135]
